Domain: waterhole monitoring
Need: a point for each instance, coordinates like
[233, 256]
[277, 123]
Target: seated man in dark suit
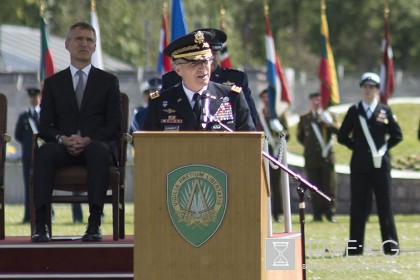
[219, 75]
[196, 103]
[80, 121]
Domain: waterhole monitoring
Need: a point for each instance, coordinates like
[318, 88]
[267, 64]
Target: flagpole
[386, 10]
[222, 16]
[41, 8]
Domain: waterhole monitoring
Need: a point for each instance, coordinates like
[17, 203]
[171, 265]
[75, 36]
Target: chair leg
[115, 207]
[2, 206]
[49, 219]
[121, 212]
[31, 208]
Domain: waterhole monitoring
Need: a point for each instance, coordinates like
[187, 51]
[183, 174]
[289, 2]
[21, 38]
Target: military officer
[218, 74]
[26, 126]
[196, 103]
[315, 131]
[139, 114]
[370, 130]
[272, 129]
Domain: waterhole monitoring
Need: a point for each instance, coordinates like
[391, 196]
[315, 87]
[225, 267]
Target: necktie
[79, 88]
[368, 113]
[35, 116]
[197, 105]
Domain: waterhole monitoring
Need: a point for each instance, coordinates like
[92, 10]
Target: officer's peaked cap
[218, 38]
[193, 46]
[370, 78]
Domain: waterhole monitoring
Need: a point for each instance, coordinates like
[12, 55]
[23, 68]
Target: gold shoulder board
[236, 89]
[154, 94]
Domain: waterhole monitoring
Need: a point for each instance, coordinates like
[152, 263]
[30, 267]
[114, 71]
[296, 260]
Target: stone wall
[405, 194]
[406, 191]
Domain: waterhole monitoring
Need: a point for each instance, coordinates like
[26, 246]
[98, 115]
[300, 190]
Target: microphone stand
[301, 189]
[304, 185]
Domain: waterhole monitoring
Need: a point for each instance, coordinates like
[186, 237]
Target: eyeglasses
[196, 63]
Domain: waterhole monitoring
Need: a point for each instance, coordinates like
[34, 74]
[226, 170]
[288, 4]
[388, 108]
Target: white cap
[370, 78]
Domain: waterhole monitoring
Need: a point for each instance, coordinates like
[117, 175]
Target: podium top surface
[209, 134]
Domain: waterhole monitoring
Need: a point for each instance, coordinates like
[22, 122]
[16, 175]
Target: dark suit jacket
[100, 115]
[312, 149]
[381, 124]
[171, 109]
[221, 76]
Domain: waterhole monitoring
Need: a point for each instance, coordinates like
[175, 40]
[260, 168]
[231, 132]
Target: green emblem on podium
[197, 199]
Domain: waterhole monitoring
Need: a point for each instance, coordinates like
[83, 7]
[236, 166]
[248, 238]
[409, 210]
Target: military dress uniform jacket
[23, 133]
[312, 149]
[171, 110]
[224, 76]
[381, 124]
[137, 121]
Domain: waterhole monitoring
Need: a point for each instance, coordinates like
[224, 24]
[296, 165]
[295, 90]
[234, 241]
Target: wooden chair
[73, 179]
[4, 138]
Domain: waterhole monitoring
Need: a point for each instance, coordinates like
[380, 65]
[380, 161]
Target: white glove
[326, 118]
[276, 125]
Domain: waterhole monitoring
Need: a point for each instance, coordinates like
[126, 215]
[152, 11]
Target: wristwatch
[59, 140]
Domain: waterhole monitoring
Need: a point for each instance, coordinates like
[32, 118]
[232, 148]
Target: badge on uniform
[171, 119]
[169, 111]
[382, 117]
[224, 112]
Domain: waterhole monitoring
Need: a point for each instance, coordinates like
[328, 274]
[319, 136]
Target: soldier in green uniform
[315, 131]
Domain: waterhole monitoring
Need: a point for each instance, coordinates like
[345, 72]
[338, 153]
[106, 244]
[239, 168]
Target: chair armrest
[128, 138]
[34, 148]
[6, 138]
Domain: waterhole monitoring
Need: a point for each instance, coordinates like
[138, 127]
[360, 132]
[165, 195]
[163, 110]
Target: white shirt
[85, 71]
[371, 107]
[190, 93]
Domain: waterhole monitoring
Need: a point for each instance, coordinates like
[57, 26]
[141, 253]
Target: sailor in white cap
[370, 130]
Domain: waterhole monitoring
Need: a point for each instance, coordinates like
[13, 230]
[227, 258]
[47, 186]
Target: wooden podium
[236, 248]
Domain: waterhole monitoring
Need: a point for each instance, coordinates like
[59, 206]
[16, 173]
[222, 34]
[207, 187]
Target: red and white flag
[387, 67]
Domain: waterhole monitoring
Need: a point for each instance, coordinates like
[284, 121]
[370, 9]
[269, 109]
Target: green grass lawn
[319, 236]
[408, 118]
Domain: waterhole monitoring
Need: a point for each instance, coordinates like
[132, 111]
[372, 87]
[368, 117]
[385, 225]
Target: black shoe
[93, 233]
[331, 218]
[317, 218]
[41, 234]
[77, 221]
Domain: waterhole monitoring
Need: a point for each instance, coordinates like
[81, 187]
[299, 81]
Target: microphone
[205, 117]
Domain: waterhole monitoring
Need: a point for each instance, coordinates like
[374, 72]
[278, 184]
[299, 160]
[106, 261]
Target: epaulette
[154, 94]
[236, 89]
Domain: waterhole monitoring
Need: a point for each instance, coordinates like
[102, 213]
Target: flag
[97, 55]
[387, 68]
[164, 63]
[326, 70]
[46, 68]
[178, 26]
[277, 90]
[224, 54]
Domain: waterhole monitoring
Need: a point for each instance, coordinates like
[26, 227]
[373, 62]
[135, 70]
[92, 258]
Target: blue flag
[178, 26]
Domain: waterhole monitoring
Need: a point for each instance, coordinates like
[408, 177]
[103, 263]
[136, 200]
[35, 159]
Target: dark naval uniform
[137, 122]
[319, 168]
[23, 134]
[365, 178]
[222, 76]
[170, 109]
